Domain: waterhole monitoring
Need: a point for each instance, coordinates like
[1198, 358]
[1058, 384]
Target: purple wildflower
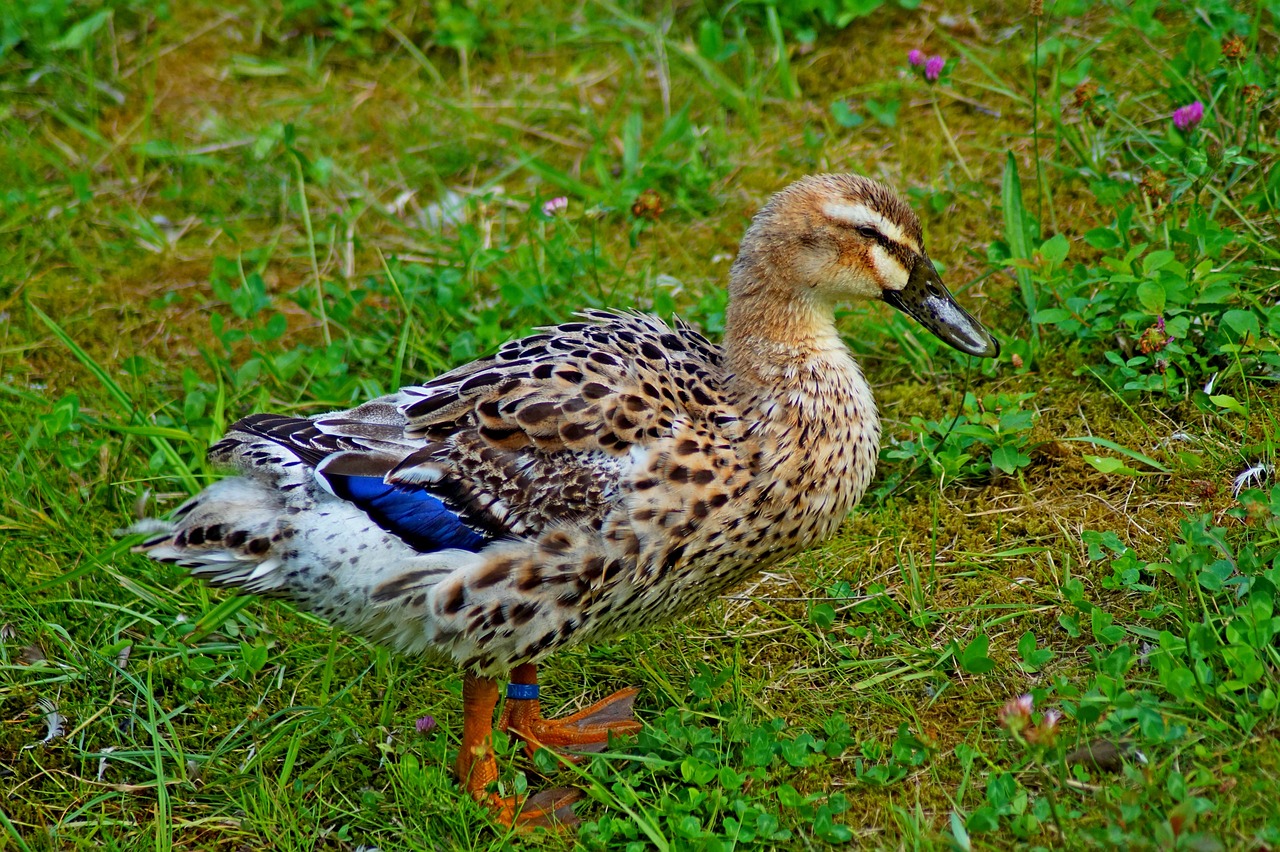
[933, 68]
[553, 206]
[1154, 338]
[1046, 733]
[1015, 715]
[426, 724]
[1187, 117]
[916, 57]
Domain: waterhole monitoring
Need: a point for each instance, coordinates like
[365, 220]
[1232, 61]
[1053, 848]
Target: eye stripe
[856, 215]
[897, 251]
[873, 225]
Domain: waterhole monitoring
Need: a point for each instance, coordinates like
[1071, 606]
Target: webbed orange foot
[586, 731]
[477, 768]
[550, 809]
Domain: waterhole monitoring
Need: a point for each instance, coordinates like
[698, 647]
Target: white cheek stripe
[893, 275]
[857, 215]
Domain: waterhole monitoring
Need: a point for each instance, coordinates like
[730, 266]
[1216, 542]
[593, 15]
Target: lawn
[208, 210]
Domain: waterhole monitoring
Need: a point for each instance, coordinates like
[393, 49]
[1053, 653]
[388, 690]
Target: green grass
[207, 210]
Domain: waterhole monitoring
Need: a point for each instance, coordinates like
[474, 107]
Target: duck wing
[550, 432]
[547, 432]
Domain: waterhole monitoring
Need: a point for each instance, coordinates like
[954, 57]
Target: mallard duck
[593, 479]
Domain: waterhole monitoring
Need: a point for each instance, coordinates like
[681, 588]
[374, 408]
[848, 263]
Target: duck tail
[228, 535]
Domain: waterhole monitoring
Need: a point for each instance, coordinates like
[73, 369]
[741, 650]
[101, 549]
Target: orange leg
[585, 731]
[477, 768]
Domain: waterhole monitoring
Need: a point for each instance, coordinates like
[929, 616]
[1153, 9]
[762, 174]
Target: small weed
[699, 784]
[989, 437]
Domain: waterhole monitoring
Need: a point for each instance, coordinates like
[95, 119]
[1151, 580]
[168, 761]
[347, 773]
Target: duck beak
[927, 300]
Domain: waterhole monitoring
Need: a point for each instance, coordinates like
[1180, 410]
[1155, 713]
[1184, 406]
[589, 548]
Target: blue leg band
[523, 691]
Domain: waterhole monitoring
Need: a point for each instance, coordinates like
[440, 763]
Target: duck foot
[586, 731]
[550, 809]
[477, 768]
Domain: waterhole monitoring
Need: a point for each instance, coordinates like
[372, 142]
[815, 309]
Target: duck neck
[799, 386]
[775, 333]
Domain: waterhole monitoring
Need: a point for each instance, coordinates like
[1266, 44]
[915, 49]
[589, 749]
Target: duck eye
[868, 232]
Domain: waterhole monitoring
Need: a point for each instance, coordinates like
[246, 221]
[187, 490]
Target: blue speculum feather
[416, 516]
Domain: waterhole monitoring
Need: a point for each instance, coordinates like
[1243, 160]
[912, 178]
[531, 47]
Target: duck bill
[927, 300]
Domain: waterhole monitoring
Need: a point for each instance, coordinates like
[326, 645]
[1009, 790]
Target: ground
[213, 209]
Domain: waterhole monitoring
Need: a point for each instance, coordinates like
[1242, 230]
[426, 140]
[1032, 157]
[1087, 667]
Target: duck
[590, 480]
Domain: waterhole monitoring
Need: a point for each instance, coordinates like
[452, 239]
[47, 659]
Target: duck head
[843, 237]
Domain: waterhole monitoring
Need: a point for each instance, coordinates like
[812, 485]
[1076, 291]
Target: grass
[213, 209]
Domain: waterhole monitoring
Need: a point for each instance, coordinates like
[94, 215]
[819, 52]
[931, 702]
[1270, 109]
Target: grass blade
[1019, 238]
[1122, 450]
[158, 439]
